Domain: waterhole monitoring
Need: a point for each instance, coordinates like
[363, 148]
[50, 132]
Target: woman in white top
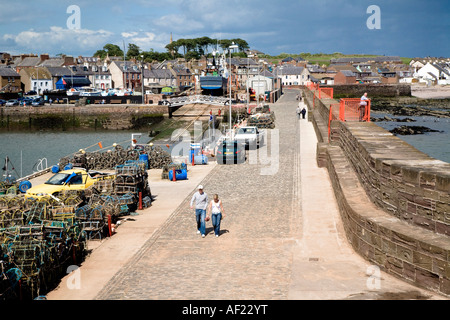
[215, 208]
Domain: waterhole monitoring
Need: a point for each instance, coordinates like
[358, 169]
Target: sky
[406, 28]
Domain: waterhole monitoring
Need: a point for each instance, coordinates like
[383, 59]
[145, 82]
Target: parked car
[231, 152]
[74, 179]
[26, 102]
[29, 93]
[12, 102]
[37, 102]
[2, 102]
[250, 136]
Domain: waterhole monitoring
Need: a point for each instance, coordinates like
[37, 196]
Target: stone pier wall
[394, 200]
[110, 117]
[375, 90]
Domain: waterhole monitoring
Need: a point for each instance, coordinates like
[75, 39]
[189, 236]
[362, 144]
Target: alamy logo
[265, 152]
[374, 278]
[74, 278]
[374, 21]
[74, 21]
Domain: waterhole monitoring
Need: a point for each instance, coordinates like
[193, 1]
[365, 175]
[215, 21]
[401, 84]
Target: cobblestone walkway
[253, 256]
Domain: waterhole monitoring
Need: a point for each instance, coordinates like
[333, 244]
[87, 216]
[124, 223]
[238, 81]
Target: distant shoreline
[432, 92]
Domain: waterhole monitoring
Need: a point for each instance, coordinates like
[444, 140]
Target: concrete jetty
[282, 237]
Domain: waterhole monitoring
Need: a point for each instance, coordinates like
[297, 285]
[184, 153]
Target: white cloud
[143, 41]
[59, 39]
[129, 34]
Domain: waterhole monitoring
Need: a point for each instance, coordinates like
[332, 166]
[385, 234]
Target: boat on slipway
[215, 79]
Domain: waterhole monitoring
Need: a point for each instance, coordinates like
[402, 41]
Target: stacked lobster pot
[132, 178]
[109, 159]
[38, 244]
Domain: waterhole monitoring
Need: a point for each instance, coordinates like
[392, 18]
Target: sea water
[435, 144]
[30, 152]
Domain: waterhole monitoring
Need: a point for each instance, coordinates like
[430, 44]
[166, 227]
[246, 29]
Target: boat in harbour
[123, 92]
[73, 92]
[90, 92]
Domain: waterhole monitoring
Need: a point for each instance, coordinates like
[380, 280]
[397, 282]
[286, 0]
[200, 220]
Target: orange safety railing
[351, 110]
[312, 86]
[326, 93]
[334, 109]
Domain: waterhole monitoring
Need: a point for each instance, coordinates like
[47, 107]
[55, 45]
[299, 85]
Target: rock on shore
[389, 119]
[402, 106]
[411, 130]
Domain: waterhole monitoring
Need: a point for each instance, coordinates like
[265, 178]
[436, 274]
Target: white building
[38, 79]
[438, 73]
[293, 76]
[260, 84]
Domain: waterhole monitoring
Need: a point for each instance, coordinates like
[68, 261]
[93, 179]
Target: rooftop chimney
[44, 57]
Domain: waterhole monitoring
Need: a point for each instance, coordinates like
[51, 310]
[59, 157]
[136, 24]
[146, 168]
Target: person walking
[215, 209]
[200, 199]
[362, 107]
[304, 113]
[298, 111]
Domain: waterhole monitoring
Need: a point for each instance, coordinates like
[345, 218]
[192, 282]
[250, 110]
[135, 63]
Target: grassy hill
[322, 58]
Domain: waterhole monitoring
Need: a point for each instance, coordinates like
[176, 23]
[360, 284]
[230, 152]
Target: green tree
[173, 48]
[100, 53]
[190, 55]
[183, 44]
[203, 44]
[133, 51]
[190, 45]
[109, 49]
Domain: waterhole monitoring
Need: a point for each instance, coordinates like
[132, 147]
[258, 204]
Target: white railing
[197, 99]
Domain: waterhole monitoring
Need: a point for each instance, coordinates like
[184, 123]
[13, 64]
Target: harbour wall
[375, 90]
[394, 200]
[96, 117]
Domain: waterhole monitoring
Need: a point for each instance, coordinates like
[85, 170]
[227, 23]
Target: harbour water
[26, 150]
[435, 144]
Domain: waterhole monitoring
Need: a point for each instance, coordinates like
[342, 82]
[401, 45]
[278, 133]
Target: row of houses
[432, 70]
[42, 73]
[382, 69]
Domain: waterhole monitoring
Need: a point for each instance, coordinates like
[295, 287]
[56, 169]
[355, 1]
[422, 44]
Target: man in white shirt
[362, 107]
[200, 199]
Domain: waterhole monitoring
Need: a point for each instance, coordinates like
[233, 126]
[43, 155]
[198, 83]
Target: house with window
[437, 73]
[183, 75]
[243, 69]
[9, 80]
[99, 75]
[345, 77]
[293, 76]
[125, 74]
[38, 79]
[297, 62]
[159, 77]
